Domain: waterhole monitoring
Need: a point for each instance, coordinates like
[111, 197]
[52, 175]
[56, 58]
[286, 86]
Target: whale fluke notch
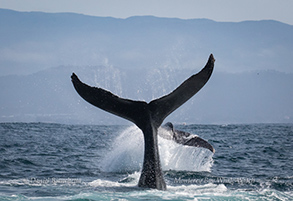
[147, 116]
[160, 108]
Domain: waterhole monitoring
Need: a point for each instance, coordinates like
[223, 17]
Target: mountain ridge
[143, 58]
[48, 96]
[44, 40]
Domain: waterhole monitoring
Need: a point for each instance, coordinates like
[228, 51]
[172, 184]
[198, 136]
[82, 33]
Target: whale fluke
[147, 116]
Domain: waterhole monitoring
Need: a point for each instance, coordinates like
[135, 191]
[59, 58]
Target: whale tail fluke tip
[212, 58]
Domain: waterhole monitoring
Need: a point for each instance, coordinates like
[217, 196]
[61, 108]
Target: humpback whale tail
[147, 116]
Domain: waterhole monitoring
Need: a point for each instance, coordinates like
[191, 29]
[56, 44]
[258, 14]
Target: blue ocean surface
[43, 161]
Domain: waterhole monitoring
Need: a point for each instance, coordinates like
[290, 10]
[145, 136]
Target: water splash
[128, 148]
[127, 152]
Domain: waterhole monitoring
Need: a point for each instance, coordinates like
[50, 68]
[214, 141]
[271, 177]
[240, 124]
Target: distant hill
[32, 41]
[48, 96]
[143, 58]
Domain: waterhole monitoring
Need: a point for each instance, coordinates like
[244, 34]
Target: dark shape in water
[185, 138]
[147, 116]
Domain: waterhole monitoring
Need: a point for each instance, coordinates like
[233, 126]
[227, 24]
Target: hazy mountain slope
[32, 41]
[256, 97]
[143, 58]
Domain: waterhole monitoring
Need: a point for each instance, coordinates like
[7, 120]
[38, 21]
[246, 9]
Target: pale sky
[218, 10]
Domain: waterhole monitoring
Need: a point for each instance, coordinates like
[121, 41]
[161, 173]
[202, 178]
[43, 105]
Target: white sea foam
[128, 148]
[132, 181]
[173, 192]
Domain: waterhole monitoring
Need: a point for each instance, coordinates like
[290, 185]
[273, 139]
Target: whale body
[184, 138]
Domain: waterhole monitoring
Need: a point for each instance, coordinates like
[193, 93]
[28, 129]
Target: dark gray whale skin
[147, 116]
[185, 138]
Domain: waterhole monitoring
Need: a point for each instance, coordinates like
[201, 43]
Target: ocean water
[42, 161]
